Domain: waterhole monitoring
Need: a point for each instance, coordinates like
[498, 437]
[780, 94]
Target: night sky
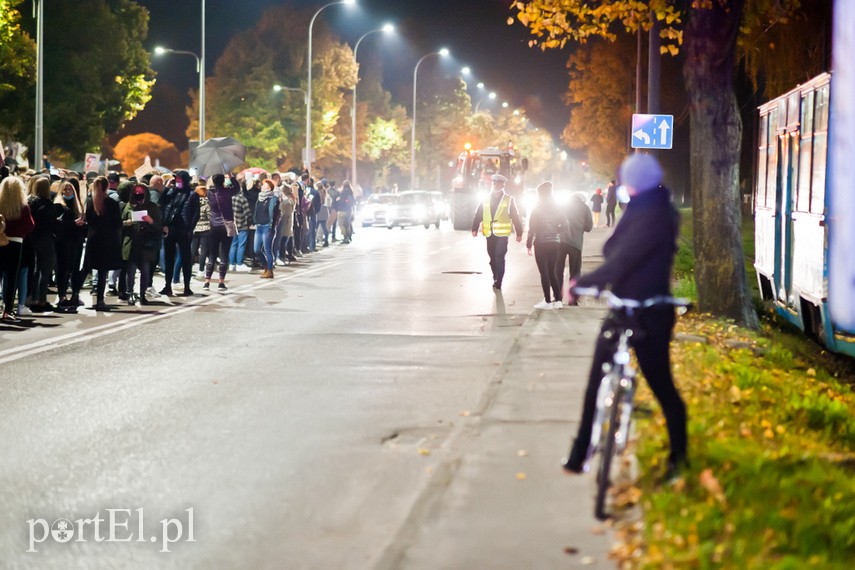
[475, 31]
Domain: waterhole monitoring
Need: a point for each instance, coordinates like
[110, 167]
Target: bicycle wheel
[607, 453]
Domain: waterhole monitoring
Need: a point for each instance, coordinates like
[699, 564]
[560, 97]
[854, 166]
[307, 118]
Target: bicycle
[610, 429]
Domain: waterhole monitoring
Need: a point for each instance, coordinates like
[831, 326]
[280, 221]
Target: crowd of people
[57, 230]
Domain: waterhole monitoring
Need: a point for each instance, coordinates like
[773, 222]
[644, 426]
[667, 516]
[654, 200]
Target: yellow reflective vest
[500, 225]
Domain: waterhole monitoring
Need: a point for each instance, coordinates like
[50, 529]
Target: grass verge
[772, 447]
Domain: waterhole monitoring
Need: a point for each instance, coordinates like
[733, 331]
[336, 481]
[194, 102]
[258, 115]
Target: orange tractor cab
[471, 182]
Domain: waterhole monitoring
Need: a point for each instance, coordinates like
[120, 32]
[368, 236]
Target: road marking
[62, 341]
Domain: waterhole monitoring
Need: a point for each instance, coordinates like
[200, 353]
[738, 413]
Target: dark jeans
[68, 254]
[574, 260]
[10, 261]
[45, 251]
[131, 271]
[651, 349]
[546, 254]
[200, 244]
[218, 246]
[180, 240]
[610, 214]
[497, 247]
[101, 285]
[313, 233]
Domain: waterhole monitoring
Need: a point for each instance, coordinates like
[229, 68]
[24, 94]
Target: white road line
[46, 345]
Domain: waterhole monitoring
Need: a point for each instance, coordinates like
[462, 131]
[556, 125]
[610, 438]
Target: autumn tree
[17, 74]
[599, 95]
[711, 32]
[132, 150]
[443, 119]
[241, 101]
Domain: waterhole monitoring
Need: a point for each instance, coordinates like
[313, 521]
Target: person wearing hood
[266, 218]
[141, 228]
[179, 219]
[638, 260]
[579, 221]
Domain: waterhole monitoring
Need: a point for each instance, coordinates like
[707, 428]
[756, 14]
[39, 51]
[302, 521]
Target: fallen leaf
[587, 560]
[811, 372]
[598, 530]
[465, 413]
[521, 476]
[522, 452]
[423, 451]
[571, 550]
[709, 482]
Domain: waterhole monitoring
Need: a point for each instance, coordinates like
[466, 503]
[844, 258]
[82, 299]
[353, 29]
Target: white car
[376, 208]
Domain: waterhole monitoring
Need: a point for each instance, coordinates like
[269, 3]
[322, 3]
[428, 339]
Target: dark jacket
[141, 241]
[44, 216]
[104, 239]
[220, 202]
[611, 195]
[580, 221]
[546, 223]
[181, 211]
[67, 229]
[597, 202]
[640, 253]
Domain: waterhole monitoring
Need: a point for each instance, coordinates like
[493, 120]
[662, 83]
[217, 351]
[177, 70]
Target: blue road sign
[652, 131]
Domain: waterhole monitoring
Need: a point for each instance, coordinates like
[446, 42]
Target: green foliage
[17, 73]
[772, 444]
[93, 83]
[442, 124]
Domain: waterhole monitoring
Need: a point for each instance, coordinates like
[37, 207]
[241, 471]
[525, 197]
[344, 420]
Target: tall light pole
[491, 96]
[308, 161]
[202, 82]
[443, 52]
[160, 50]
[278, 88]
[38, 151]
[388, 29]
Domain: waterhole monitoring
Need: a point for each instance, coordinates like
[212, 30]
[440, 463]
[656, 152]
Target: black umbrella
[217, 156]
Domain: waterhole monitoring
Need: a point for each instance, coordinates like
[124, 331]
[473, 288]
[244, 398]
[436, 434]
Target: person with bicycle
[638, 260]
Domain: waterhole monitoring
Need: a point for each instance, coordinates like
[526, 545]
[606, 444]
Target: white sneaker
[243, 268]
[25, 311]
[200, 275]
[232, 268]
[151, 293]
[557, 304]
[543, 306]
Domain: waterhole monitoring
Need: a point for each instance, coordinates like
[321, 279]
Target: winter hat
[641, 172]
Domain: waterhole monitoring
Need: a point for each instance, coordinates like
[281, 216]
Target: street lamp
[443, 52]
[386, 29]
[491, 96]
[480, 85]
[504, 104]
[308, 162]
[40, 86]
[466, 71]
[159, 50]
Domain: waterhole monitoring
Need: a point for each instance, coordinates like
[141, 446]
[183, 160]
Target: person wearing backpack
[266, 218]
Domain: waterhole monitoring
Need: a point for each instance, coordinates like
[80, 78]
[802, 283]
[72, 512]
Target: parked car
[375, 209]
[441, 205]
[413, 208]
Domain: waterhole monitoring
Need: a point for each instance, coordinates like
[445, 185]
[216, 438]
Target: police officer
[496, 217]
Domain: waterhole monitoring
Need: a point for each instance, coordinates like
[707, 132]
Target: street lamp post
[491, 96]
[443, 52]
[387, 28]
[308, 161]
[159, 50]
[202, 82]
[38, 152]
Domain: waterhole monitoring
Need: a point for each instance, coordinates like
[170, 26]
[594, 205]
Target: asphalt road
[301, 419]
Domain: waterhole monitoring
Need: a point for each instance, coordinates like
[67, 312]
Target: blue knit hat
[640, 172]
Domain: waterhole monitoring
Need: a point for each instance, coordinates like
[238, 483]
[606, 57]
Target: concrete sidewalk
[503, 501]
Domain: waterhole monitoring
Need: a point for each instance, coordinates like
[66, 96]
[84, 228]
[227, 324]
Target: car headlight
[419, 212]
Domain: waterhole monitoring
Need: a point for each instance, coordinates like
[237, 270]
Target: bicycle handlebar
[618, 303]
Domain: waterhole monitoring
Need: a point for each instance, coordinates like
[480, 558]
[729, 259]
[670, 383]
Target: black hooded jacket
[640, 253]
[182, 207]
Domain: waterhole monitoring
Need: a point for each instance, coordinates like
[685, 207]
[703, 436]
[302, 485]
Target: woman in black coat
[71, 232]
[103, 243]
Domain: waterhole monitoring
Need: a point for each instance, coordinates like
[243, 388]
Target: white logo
[62, 530]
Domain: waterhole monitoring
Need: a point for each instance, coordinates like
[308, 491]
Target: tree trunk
[716, 135]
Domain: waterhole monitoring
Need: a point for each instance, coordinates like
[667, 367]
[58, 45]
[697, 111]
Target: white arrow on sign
[641, 135]
[663, 126]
